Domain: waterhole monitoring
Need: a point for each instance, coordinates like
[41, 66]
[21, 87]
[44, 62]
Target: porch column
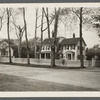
[45, 55]
[40, 55]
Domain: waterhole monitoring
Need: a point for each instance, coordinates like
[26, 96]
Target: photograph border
[28, 95]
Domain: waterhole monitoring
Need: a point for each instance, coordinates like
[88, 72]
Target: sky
[90, 36]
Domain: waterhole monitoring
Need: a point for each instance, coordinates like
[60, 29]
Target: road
[87, 78]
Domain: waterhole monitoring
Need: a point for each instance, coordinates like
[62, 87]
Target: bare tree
[79, 14]
[42, 29]
[8, 20]
[36, 30]
[2, 12]
[28, 58]
[19, 33]
[81, 39]
[54, 37]
[56, 17]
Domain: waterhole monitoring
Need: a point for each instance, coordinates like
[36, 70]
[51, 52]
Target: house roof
[68, 41]
[71, 41]
[47, 42]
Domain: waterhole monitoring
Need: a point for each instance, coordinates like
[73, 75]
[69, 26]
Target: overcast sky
[90, 36]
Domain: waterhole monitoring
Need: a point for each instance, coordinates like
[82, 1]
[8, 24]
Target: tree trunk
[36, 32]
[19, 48]
[81, 39]
[28, 58]
[53, 56]
[54, 37]
[10, 60]
[41, 31]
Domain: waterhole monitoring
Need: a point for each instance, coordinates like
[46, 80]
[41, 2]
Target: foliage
[92, 52]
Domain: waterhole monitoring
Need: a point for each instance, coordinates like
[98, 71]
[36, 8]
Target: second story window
[49, 48]
[73, 47]
[67, 47]
[42, 48]
[46, 48]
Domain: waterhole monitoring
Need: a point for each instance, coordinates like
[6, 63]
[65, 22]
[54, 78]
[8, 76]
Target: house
[71, 48]
[67, 48]
[4, 49]
[46, 47]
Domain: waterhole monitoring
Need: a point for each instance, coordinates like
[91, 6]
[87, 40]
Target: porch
[69, 55]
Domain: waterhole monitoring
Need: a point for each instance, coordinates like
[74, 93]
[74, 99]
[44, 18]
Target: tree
[55, 17]
[96, 21]
[2, 14]
[19, 33]
[79, 14]
[81, 39]
[36, 30]
[28, 58]
[8, 20]
[68, 19]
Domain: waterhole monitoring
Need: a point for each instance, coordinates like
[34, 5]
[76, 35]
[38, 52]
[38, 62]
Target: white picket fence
[67, 63]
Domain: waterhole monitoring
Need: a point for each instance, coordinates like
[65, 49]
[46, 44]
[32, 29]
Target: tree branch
[75, 13]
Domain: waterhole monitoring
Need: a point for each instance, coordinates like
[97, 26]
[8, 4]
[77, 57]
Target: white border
[86, 4]
[51, 94]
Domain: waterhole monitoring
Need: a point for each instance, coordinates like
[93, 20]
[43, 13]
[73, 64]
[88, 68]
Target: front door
[69, 56]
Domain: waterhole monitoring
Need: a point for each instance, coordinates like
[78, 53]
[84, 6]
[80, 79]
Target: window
[42, 48]
[42, 55]
[73, 47]
[67, 47]
[46, 48]
[47, 55]
[49, 48]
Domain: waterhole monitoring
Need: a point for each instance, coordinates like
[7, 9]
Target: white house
[71, 48]
[46, 47]
[68, 48]
[4, 49]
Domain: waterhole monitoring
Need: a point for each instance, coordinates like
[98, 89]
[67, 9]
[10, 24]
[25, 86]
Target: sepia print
[49, 48]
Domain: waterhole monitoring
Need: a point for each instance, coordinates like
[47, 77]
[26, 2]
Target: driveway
[87, 78]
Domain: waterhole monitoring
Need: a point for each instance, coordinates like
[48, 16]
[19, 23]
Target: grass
[15, 83]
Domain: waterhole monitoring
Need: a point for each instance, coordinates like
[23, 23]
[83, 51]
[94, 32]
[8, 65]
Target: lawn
[15, 83]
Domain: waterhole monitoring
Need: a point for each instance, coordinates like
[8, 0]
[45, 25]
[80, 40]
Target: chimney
[73, 35]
